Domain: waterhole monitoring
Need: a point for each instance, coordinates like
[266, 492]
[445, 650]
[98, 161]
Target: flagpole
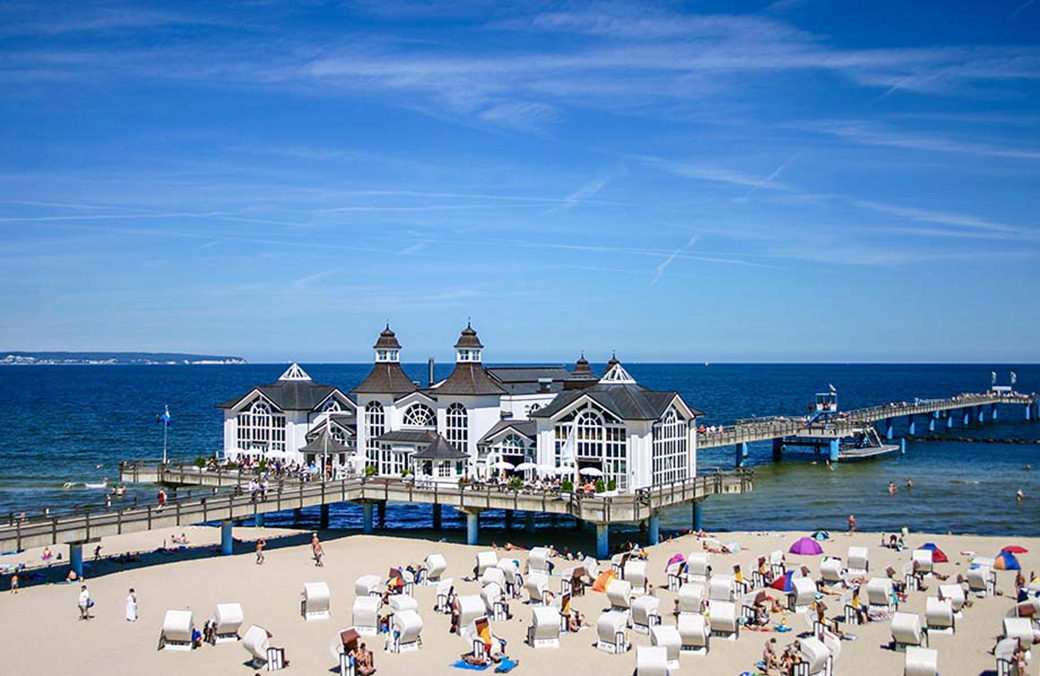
[325, 453]
[166, 424]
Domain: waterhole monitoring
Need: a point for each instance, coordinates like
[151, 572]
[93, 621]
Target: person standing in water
[852, 523]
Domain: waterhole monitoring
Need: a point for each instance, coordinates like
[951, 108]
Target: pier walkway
[968, 408]
[230, 502]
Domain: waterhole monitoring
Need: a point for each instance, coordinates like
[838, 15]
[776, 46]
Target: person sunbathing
[364, 660]
[475, 660]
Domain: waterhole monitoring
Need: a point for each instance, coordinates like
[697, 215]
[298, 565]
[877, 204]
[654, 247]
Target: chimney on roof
[544, 384]
[430, 374]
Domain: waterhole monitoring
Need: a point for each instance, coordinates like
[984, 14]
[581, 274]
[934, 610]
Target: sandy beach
[42, 630]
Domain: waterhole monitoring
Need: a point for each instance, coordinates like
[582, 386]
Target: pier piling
[698, 516]
[324, 521]
[911, 425]
[889, 429]
[834, 450]
[602, 541]
[76, 558]
[472, 527]
[653, 532]
[367, 526]
[529, 522]
[227, 542]
[437, 517]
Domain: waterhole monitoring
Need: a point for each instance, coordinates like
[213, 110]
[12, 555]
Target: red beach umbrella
[1015, 549]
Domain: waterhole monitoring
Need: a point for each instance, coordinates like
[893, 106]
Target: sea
[64, 429]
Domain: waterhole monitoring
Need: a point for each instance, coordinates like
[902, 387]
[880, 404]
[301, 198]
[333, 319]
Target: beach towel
[505, 666]
[461, 664]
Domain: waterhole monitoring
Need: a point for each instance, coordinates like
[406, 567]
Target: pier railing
[235, 504]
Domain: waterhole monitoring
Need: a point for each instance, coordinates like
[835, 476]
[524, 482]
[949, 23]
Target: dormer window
[387, 355]
[467, 355]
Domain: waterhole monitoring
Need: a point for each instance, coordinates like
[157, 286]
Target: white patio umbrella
[564, 470]
[502, 464]
[524, 466]
[546, 469]
[590, 471]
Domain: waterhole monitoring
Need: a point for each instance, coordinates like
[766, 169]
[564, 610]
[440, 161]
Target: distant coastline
[15, 358]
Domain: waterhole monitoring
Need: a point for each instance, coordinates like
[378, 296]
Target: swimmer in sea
[891, 488]
[1020, 496]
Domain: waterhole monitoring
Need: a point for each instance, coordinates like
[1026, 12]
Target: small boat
[865, 443]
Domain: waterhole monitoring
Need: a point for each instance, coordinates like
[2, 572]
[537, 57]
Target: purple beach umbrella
[806, 547]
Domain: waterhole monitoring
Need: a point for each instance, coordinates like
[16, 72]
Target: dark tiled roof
[468, 338]
[317, 444]
[440, 449]
[613, 361]
[582, 376]
[582, 368]
[386, 378]
[526, 379]
[628, 402]
[525, 428]
[387, 340]
[469, 379]
[409, 436]
[289, 395]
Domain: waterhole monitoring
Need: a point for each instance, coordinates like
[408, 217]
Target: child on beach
[260, 544]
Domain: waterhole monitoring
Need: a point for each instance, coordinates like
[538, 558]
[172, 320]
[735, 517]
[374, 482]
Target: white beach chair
[315, 601]
[228, 621]
[698, 568]
[921, 662]
[651, 661]
[619, 593]
[402, 602]
[617, 563]
[954, 593]
[177, 629]
[645, 613]
[858, 561]
[694, 634]
[802, 594]
[1004, 653]
[492, 595]
[405, 632]
[257, 643]
[436, 564]
[365, 615]
[486, 560]
[938, 616]
[982, 581]
[879, 594]
[720, 588]
[817, 659]
[544, 631]
[922, 559]
[612, 632]
[984, 561]
[591, 566]
[724, 620]
[538, 560]
[691, 598]
[635, 575]
[493, 574]
[445, 595]
[470, 608]
[668, 638]
[514, 581]
[367, 585]
[776, 563]
[1022, 629]
[831, 571]
[572, 580]
[906, 631]
[537, 584]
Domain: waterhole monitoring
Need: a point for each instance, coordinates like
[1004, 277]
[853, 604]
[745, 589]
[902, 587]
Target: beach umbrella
[821, 535]
[563, 470]
[678, 558]
[938, 556]
[1015, 549]
[590, 471]
[546, 469]
[502, 464]
[783, 583]
[1006, 561]
[806, 547]
[524, 466]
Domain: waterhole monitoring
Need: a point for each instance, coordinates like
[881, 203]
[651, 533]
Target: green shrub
[200, 461]
[370, 470]
[262, 465]
[567, 486]
[612, 485]
[600, 486]
[516, 483]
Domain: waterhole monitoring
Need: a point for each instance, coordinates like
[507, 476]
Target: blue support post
[367, 526]
[653, 533]
[742, 454]
[889, 430]
[324, 522]
[835, 449]
[980, 414]
[437, 517]
[381, 507]
[949, 420]
[258, 520]
[931, 421]
[76, 558]
[698, 516]
[993, 412]
[902, 446]
[911, 425]
[529, 522]
[227, 543]
[509, 519]
[602, 541]
[1029, 412]
[472, 527]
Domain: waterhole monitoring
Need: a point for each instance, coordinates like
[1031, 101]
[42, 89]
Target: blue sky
[799, 180]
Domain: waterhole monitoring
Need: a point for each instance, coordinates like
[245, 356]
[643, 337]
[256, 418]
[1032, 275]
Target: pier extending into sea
[828, 431]
[227, 500]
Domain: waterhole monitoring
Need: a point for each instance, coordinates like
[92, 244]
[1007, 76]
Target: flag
[1014, 377]
[165, 418]
[993, 377]
[833, 390]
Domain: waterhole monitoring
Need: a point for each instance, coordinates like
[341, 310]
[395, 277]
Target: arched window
[512, 445]
[260, 429]
[457, 426]
[332, 406]
[420, 415]
[596, 436]
[375, 425]
[670, 448]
